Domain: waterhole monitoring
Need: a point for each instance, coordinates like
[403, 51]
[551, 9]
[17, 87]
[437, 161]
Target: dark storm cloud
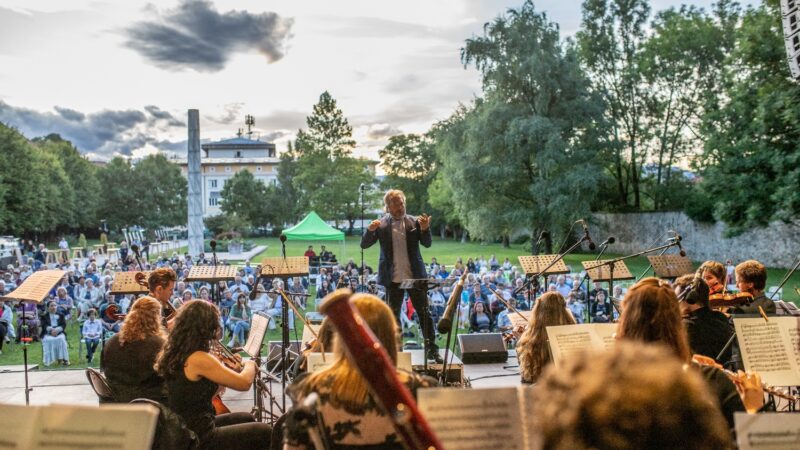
[104, 133]
[195, 35]
[382, 131]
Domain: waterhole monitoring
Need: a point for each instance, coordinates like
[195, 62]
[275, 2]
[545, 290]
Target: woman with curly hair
[192, 376]
[128, 357]
[533, 350]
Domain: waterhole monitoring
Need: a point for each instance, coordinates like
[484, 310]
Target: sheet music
[767, 431]
[568, 340]
[125, 427]
[258, 327]
[770, 348]
[484, 419]
[317, 362]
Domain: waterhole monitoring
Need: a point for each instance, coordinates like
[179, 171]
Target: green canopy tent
[313, 228]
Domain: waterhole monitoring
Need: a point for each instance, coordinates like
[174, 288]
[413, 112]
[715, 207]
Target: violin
[724, 300]
[229, 360]
[112, 313]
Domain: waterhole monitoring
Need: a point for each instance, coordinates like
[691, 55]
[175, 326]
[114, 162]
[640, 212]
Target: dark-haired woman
[193, 375]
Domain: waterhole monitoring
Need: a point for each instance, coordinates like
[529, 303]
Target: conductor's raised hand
[374, 225]
[424, 222]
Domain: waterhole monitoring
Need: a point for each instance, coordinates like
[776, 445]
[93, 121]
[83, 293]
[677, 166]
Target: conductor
[400, 235]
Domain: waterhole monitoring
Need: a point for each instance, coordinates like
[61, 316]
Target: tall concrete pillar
[195, 186]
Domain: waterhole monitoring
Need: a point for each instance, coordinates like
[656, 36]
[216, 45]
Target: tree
[527, 141]
[285, 198]
[410, 164]
[242, 195]
[610, 43]
[163, 192]
[751, 158]
[119, 194]
[327, 177]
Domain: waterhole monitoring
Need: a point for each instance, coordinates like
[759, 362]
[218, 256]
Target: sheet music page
[767, 431]
[316, 362]
[525, 394]
[18, 421]
[770, 348]
[124, 427]
[258, 327]
[568, 340]
[483, 419]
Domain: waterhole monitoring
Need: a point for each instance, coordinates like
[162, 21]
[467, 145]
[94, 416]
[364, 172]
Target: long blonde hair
[349, 390]
[142, 321]
[533, 350]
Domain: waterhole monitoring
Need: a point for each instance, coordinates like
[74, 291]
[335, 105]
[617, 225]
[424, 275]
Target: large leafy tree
[163, 192]
[521, 157]
[610, 43]
[410, 164]
[328, 177]
[751, 158]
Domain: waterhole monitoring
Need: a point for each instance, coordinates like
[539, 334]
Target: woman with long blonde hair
[128, 357]
[533, 350]
[345, 402]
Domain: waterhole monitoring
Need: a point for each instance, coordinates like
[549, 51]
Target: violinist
[714, 276]
[751, 278]
[128, 357]
[708, 330]
[161, 283]
[192, 376]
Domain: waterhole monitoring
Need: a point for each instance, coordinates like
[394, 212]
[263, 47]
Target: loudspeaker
[482, 348]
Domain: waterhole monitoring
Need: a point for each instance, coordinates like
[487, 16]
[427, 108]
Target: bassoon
[374, 364]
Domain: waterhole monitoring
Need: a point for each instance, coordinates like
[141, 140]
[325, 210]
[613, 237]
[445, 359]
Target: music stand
[258, 329]
[34, 289]
[211, 274]
[125, 283]
[536, 265]
[670, 266]
[284, 267]
[608, 270]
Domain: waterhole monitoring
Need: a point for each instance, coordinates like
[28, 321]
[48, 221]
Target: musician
[714, 276]
[634, 396]
[347, 408]
[400, 235]
[129, 355]
[161, 283]
[192, 376]
[708, 330]
[533, 349]
[651, 314]
[751, 277]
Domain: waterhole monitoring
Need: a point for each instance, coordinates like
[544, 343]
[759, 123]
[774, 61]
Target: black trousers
[420, 301]
[239, 431]
[3, 333]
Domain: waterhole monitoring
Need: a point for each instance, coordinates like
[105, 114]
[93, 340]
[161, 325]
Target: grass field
[445, 251]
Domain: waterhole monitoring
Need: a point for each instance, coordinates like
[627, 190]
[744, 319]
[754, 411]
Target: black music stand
[670, 266]
[535, 266]
[284, 267]
[34, 289]
[252, 347]
[608, 270]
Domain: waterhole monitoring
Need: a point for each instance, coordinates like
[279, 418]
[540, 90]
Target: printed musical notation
[771, 348]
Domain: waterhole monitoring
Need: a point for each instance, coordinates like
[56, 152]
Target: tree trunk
[464, 236]
[506, 243]
[443, 231]
[350, 226]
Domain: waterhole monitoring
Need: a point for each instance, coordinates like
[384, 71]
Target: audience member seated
[128, 357]
[481, 320]
[239, 321]
[111, 324]
[54, 339]
[91, 331]
[533, 349]
[632, 397]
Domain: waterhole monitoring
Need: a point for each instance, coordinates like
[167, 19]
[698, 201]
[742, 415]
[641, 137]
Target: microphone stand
[534, 280]
[363, 272]
[611, 262]
[603, 248]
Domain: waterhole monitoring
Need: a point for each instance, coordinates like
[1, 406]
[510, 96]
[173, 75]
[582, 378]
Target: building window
[227, 168]
[274, 182]
[238, 154]
[212, 169]
[258, 168]
[213, 201]
[213, 183]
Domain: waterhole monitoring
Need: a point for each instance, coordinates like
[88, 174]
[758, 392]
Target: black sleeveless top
[192, 400]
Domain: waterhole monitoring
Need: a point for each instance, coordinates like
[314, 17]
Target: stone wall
[777, 245]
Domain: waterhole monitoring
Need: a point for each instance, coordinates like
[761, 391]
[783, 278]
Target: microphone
[213, 244]
[542, 236]
[586, 236]
[678, 240]
[282, 237]
[610, 240]
[256, 284]
[135, 249]
[362, 186]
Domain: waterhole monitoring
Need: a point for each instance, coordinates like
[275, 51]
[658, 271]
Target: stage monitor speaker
[482, 348]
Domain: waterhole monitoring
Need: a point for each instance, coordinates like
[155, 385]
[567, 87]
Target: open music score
[125, 283]
[669, 266]
[602, 272]
[212, 273]
[291, 266]
[771, 348]
[533, 264]
[36, 287]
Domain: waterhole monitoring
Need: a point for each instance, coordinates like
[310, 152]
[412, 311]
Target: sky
[117, 77]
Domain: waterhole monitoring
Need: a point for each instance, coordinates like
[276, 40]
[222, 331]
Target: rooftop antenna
[240, 132]
[250, 121]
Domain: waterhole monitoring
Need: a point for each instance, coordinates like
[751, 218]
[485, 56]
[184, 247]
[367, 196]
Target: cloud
[382, 131]
[282, 120]
[104, 133]
[233, 112]
[196, 36]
